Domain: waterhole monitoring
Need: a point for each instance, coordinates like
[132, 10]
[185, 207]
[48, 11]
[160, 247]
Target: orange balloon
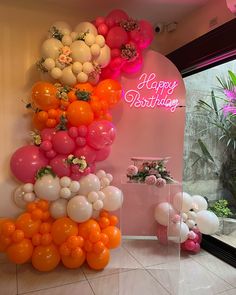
[73, 242]
[21, 252]
[18, 236]
[84, 87]
[104, 222]
[37, 214]
[45, 258]
[36, 239]
[27, 224]
[4, 243]
[94, 236]
[110, 91]
[99, 247]
[88, 246]
[104, 239]
[114, 236]
[44, 96]
[79, 113]
[98, 261]
[43, 204]
[8, 228]
[45, 227]
[64, 250]
[76, 259]
[62, 229]
[87, 227]
[113, 220]
[37, 123]
[46, 239]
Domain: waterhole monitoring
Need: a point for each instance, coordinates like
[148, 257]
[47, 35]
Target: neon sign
[151, 93]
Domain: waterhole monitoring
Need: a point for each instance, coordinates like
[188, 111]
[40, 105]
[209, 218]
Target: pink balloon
[162, 234]
[115, 16]
[73, 132]
[189, 245]
[63, 143]
[26, 161]
[116, 63]
[76, 176]
[103, 29]
[86, 151]
[82, 130]
[60, 167]
[103, 154]
[100, 134]
[197, 248]
[115, 52]
[46, 146]
[144, 35]
[47, 133]
[80, 141]
[116, 37]
[50, 154]
[92, 167]
[109, 73]
[99, 20]
[132, 67]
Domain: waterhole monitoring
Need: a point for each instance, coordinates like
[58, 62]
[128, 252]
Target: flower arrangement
[150, 172]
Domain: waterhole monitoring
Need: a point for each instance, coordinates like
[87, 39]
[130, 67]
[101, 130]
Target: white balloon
[93, 197]
[104, 57]
[207, 222]
[51, 48]
[56, 73]
[199, 203]
[28, 188]
[65, 193]
[101, 195]
[178, 232]
[29, 197]
[98, 205]
[47, 188]
[79, 209]
[18, 199]
[58, 208]
[101, 173]
[113, 198]
[80, 51]
[104, 182]
[74, 186]
[95, 50]
[82, 77]
[109, 176]
[88, 67]
[60, 65]
[77, 67]
[190, 223]
[184, 216]
[84, 27]
[182, 202]
[65, 181]
[100, 40]
[68, 77]
[49, 63]
[89, 183]
[66, 40]
[163, 213]
[192, 215]
[89, 39]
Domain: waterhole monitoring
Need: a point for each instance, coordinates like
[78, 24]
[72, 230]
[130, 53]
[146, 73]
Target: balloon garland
[66, 203]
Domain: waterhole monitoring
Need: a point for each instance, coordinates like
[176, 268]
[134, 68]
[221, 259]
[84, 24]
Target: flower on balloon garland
[129, 52]
[129, 25]
[64, 58]
[80, 162]
[36, 138]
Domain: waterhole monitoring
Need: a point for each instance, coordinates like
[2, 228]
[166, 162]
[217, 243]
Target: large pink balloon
[103, 154]
[116, 37]
[132, 67]
[100, 134]
[88, 152]
[63, 143]
[115, 16]
[26, 161]
[144, 35]
[59, 166]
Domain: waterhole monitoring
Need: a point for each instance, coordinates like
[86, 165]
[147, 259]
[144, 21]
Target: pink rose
[66, 50]
[62, 58]
[68, 60]
[161, 182]
[150, 180]
[132, 170]
[152, 171]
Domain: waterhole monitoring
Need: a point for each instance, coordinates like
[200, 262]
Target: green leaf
[214, 102]
[233, 77]
[205, 151]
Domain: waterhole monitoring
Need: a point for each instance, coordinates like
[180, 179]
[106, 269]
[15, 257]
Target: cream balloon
[182, 202]
[109, 176]
[101, 173]
[192, 215]
[85, 27]
[190, 223]
[51, 48]
[163, 213]
[89, 183]
[89, 39]
[67, 40]
[29, 197]
[28, 187]
[65, 181]
[98, 205]
[79, 209]
[95, 50]
[199, 203]
[80, 51]
[47, 188]
[56, 73]
[58, 208]
[104, 56]
[207, 222]
[113, 198]
[68, 77]
[77, 67]
[100, 40]
[65, 193]
[74, 186]
[82, 77]
[104, 182]
[88, 67]
[49, 63]
[18, 197]
[93, 197]
[178, 232]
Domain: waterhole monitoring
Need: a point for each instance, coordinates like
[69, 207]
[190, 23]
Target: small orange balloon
[88, 246]
[86, 227]
[84, 87]
[44, 96]
[113, 220]
[104, 239]
[64, 250]
[21, 252]
[62, 229]
[98, 247]
[31, 207]
[36, 239]
[76, 259]
[94, 236]
[104, 222]
[104, 214]
[80, 113]
[114, 236]
[27, 224]
[46, 239]
[37, 123]
[73, 242]
[45, 227]
[45, 258]
[43, 204]
[4, 243]
[98, 261]
[37, 214]
[8, 228]
[18, 236]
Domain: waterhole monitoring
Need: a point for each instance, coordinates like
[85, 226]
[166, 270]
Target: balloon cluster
[35, 236]
[126, 38]
[186, 218]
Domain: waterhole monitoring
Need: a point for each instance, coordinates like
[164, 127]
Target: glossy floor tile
[8, 285]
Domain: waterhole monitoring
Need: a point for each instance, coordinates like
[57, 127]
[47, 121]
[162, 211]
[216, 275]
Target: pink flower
[161, 182]
[66, 50]
[192, 235]
[68, 60]
[62, 58]
[152, 171]
[176, 218]
[150, 180]
[132, 170]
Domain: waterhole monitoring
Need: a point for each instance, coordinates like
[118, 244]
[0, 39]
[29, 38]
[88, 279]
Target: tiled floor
[136, 268]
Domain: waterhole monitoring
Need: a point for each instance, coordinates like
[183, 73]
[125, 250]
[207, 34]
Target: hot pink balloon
[47, 133]
[189, 245]
[59, 166]
[197, 248]
[76, 176]
[143, 35]
[63, 143]
[26, 161]
[132, 67]
[88, 152]
[115, 16]
[162, 234]
[103, 29]
[116, 37]
[103, 154]
[109, 73]
[100, 134]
